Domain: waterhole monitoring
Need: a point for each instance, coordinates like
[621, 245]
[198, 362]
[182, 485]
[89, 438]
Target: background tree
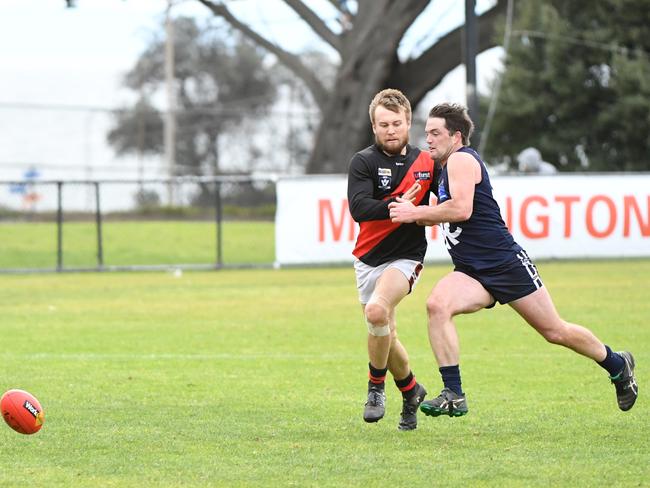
[576, 85]
[366, 44]
[220, 80]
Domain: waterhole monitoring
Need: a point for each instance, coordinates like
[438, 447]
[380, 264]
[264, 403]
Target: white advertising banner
[554, 216]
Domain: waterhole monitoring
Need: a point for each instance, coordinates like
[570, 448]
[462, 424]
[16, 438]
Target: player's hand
[412, 192]
[402, 211]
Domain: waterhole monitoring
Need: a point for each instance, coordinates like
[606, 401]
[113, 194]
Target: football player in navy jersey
[489, 266]
[388, 256]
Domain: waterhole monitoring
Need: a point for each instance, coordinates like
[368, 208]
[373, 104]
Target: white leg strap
[380, 331]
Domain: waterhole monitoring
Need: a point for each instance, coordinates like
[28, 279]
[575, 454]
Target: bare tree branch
[417, 76]
[317, 89]
[315, 22]
[336, 5]
[368, 46]
[380, 25]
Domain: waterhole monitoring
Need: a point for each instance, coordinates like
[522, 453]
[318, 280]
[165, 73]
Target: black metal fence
[154, 224]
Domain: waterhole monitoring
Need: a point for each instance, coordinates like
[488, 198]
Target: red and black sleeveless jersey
[375, 180]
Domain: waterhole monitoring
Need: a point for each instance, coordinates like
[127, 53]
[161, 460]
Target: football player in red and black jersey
[388, 256]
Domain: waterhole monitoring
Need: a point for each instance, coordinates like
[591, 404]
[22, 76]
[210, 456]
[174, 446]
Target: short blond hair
[393, 100]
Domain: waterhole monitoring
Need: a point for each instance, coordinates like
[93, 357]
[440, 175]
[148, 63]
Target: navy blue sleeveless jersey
[483, 241]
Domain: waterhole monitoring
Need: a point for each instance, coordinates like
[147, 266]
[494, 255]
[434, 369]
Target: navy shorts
[515, 280]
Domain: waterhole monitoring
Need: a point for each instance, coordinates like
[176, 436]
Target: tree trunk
[368, 56]
[369, 64]
[345, 126]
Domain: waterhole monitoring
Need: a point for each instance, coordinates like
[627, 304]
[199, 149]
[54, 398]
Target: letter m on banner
[335, 219]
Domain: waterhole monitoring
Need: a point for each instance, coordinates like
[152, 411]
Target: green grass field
[257, 378]
[34, 244]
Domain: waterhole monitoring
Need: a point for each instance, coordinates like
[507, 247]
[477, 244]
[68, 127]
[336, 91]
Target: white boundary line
[225, 356]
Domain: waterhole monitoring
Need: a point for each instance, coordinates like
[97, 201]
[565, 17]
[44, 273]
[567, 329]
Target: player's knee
[436, 308]
[376, 314]
[554, 335]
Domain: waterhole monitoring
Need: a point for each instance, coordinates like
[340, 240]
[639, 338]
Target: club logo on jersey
[421, 175]
[442, 192]
[384, 178]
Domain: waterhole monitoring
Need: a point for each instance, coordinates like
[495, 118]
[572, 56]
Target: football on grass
[22, 411]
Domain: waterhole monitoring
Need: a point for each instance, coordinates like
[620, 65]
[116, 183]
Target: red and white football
[22, 411]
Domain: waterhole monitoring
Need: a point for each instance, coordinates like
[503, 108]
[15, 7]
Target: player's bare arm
[403, 211]
[464, 173]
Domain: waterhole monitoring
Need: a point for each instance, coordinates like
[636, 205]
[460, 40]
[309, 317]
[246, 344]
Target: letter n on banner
[630, 205]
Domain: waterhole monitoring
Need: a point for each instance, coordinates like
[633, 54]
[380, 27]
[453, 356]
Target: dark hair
[456, 119]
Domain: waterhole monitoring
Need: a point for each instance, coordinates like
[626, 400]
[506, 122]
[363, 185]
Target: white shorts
[367, 276]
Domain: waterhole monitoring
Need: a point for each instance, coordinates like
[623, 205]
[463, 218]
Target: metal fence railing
[153, 224]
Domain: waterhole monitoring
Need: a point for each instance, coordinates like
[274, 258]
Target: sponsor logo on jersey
[422, 175]
[384, 172]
